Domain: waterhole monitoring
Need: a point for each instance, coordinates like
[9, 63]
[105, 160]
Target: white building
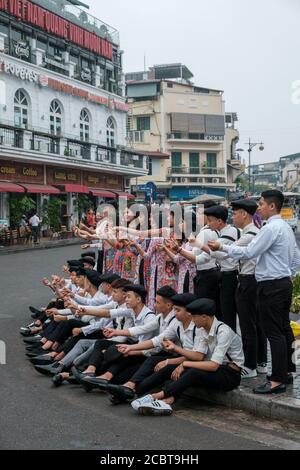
[62, 113]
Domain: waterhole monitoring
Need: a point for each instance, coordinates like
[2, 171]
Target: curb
[48, 246]
[277, 407]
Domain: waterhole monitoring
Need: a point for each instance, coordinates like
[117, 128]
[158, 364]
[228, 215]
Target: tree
[52, 213]
[19, 205]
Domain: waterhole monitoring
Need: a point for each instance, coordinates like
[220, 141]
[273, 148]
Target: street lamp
[251, 146]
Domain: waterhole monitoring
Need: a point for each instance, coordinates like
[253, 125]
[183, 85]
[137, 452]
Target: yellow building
[183, 130]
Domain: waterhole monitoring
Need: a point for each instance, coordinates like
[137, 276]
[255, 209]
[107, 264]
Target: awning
[40, 189]
[74, 188]
[103, 193]
[10, 188]
[122, 194]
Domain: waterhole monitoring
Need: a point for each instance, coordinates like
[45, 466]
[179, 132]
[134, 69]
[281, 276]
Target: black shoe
[92, 382]
[121, 393]
[72, 380]
[36, 311]
[57, 380]
[80, 375]
[33, 339]
[35, 353]
[52, 369]
[26, 331]
[267, 389]
[289, 380]
[43, 360]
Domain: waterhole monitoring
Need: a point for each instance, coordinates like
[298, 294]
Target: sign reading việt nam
[35, 15]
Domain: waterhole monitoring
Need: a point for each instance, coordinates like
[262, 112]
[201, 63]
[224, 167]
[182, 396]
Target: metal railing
[203, 170]
[11, 138]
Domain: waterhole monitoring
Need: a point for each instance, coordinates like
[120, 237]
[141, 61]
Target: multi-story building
[265, 174]
[289, 171]
[62, 113]
[182, 129]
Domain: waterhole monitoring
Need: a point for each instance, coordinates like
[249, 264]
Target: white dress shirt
[227, 264]
[144, 319]
[176, 333]
[274, 247]
[205, 262]
[221, 345]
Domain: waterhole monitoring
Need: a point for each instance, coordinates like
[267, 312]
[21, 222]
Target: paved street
[36, 416]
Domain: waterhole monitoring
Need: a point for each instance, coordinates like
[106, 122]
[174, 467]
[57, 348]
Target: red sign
[33, 14]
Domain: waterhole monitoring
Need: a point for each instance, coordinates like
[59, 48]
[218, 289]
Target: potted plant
[52, 214]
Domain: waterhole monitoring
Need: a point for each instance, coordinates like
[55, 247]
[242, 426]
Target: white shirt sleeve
[152, 325]
[259, 245]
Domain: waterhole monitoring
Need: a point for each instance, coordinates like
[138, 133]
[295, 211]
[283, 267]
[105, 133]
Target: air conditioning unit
[216, 180]
[135, 158]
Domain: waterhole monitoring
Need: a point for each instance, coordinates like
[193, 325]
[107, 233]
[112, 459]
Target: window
[211, 160]
[194, 163]
[84, 126]
[21, 109]
[110, 132]
[55, 118]
[150, 167]
[143, 123]
[176, 162]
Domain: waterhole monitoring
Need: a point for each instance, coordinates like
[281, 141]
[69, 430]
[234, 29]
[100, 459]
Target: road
[36, 416]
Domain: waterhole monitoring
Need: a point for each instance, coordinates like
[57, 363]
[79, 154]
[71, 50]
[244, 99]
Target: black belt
[229, 273]
[205, 271]
[262, 283]
[247, 276]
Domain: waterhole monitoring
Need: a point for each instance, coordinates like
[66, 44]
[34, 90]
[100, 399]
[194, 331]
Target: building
[265, 174]
[182, 129]
[289, 171]
[62, 113]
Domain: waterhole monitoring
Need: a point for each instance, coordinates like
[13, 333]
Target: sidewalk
[44, 245]
[285, 407]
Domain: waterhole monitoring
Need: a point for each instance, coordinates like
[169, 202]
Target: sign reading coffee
[21, 173]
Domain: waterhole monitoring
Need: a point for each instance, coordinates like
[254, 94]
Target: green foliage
[296, 295]
[242, 183]
[82, 204]
[52, 213]
[19, 205]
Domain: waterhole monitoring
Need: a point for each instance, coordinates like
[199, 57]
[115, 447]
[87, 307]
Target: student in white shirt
[219, 366]
[115, 365]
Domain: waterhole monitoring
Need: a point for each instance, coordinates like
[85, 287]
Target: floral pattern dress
[186, 273]
[164, 272]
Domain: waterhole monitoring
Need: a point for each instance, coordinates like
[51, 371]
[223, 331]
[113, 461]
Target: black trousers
[71, 342]
[147, 368]
[229, 282]
[123, 368]
[155, 380]
[274, 302]
[207, 284]
[100, 353]
[254, 339]
[100, 262]
[64, 330]
[224, 379]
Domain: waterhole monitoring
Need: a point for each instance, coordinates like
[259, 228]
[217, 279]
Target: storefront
[41, 183]
[191, 192]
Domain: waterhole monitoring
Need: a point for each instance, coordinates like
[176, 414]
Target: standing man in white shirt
[278, 259]
[254, 339]
[34, 222]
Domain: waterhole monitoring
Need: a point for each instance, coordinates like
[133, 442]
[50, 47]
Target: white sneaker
[141, 401]
[248, 373]
[155, 408]
[262, 368]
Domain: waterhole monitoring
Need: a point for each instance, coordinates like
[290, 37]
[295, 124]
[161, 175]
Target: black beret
[89, 260]
[93, 276]
[139, 290]
[202, 307]
[81, 271]
[219, 212]
[74, 262]
[249, 205]
[109, 278]
[89, 254]
[166, 292]
[182, 300]
[73, 269]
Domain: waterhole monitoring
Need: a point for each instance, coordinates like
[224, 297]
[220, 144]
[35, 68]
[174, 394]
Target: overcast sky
[248, 48]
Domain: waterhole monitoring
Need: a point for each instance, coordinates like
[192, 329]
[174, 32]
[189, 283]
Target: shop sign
[86, 75]
[22, 49]
[21, 173]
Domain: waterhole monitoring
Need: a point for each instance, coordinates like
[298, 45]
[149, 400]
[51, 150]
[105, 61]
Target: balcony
[39, 146]
[203, 171]
[194, 137]
[11, 137]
